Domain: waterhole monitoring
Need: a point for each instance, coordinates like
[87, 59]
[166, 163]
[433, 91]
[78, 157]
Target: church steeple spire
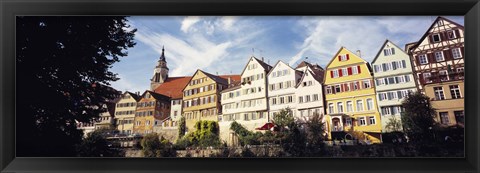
[160, 73]
[162, 57]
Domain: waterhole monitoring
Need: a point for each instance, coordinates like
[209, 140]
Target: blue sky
[223, 44]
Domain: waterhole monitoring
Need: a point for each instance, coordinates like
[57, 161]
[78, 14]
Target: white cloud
[327, 34]
[124, 84]
[188, 22]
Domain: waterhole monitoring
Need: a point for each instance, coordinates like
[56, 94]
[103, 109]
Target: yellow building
[151, 107]
[125, 112]
[201, 97]
[350, 99]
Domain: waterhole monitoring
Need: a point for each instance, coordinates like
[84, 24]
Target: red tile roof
[173, 87]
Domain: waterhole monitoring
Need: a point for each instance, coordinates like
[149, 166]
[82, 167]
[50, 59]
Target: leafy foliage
[284, 119]
[182, 128]
[96, 145]
[394, 124]
[418, 117]
[63, 77]
[244, 136]
[155, 146]
[205, 135]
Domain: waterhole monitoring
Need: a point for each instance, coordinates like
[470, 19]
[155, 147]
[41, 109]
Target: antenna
[253, 51]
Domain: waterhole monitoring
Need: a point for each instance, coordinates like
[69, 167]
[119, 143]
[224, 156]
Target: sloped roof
[317, 71]
[383, 47]
[264, 65]
[135, 96]
[430, 28]
[222, 79]
[173, 87]
[157, 96]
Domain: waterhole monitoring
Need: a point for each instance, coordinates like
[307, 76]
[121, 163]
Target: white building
[309, 91]
[394, 79]
[245, 102]
[282, 80]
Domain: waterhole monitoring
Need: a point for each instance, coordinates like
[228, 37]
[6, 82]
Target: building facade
[246, 101]
[394, 79]
[309, 91]
[282, 80]
[438, 63]
[151, 109]
[125, 112]
[107, 118]
[350, 99]
[201, 97]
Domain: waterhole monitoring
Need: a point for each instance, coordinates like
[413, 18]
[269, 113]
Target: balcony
[438, 78]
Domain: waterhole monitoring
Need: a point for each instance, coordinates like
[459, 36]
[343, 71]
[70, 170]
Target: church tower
[160, 73]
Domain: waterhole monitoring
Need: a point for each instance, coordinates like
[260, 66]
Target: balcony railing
[437, 78]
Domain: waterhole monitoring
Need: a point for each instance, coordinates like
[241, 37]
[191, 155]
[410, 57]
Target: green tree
[418, 117]
[393, 124]
[182, 127]
[96, 145]
[245, 136]
[62, 72]
[150, 144]
[205, 135]
[284, 119]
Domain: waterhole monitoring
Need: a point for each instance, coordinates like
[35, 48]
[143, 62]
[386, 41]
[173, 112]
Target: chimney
[229, 80]
[262, 59]
[359, 53]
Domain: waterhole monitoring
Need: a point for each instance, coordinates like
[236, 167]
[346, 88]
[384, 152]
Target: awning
[266, 126]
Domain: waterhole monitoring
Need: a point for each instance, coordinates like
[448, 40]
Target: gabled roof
[383, 47]
[135, 96]
[339, 50]
[278, 62]
[430, 28]
[317, 74]
[264, 65]
[222, 79]
[173, 87]
[157, 96]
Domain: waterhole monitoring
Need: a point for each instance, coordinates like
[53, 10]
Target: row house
[394, 79]
[125, 112]
[309, 91]
[151, 108]
[438, 63]
[350, 99]
[282, 80]
[201, 97]
[246, 101]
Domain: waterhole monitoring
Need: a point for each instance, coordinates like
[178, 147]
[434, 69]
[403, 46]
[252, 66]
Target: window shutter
[417, 60]
[430, 57]
[430, 38]
[339, 58]
[371, 83]
[358, 122]
[349, 70]
[457, 33]
[394, 65]
[348, 57]
[339, 72]
[351, 86]
[367, 120]
[331, 74]
[389, 96]
[447, 54]
[404, 64]
[342, 88]
[463, 51]
[442, 36]
[399, 94]
[359, 71]
[393, 51]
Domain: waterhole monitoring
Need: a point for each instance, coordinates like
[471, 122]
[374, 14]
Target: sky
[223, 44]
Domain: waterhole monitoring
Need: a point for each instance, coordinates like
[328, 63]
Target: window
[439, 56]
[362, 121]
[389, 51]
[340, 107]
[369, 104]
[455, 91]
[451, 34]
[456, 53]
[315, 97]
[459, 117]
[436, 38]
[282, 100]
[147, 122]
[348, 121]
[385, 110]
[329, 90]
[355, 85]
[382, 96]
[371, 120]
[366, 84]
[289, 99]
[274, 101]
[426, 77]
[343, 57]
[439, 93]
[307, 98]
[359, 105]
[349, 106]
[300, 99]
[460, 72]
[337, 89]
[422, 59]
[444, 118]
[344, 72]
[355, 70]
[335, 73]
[330, 108]
[443, 75]
[377, 68]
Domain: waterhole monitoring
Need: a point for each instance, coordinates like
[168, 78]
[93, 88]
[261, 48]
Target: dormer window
[343, 57]
[451, 34]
